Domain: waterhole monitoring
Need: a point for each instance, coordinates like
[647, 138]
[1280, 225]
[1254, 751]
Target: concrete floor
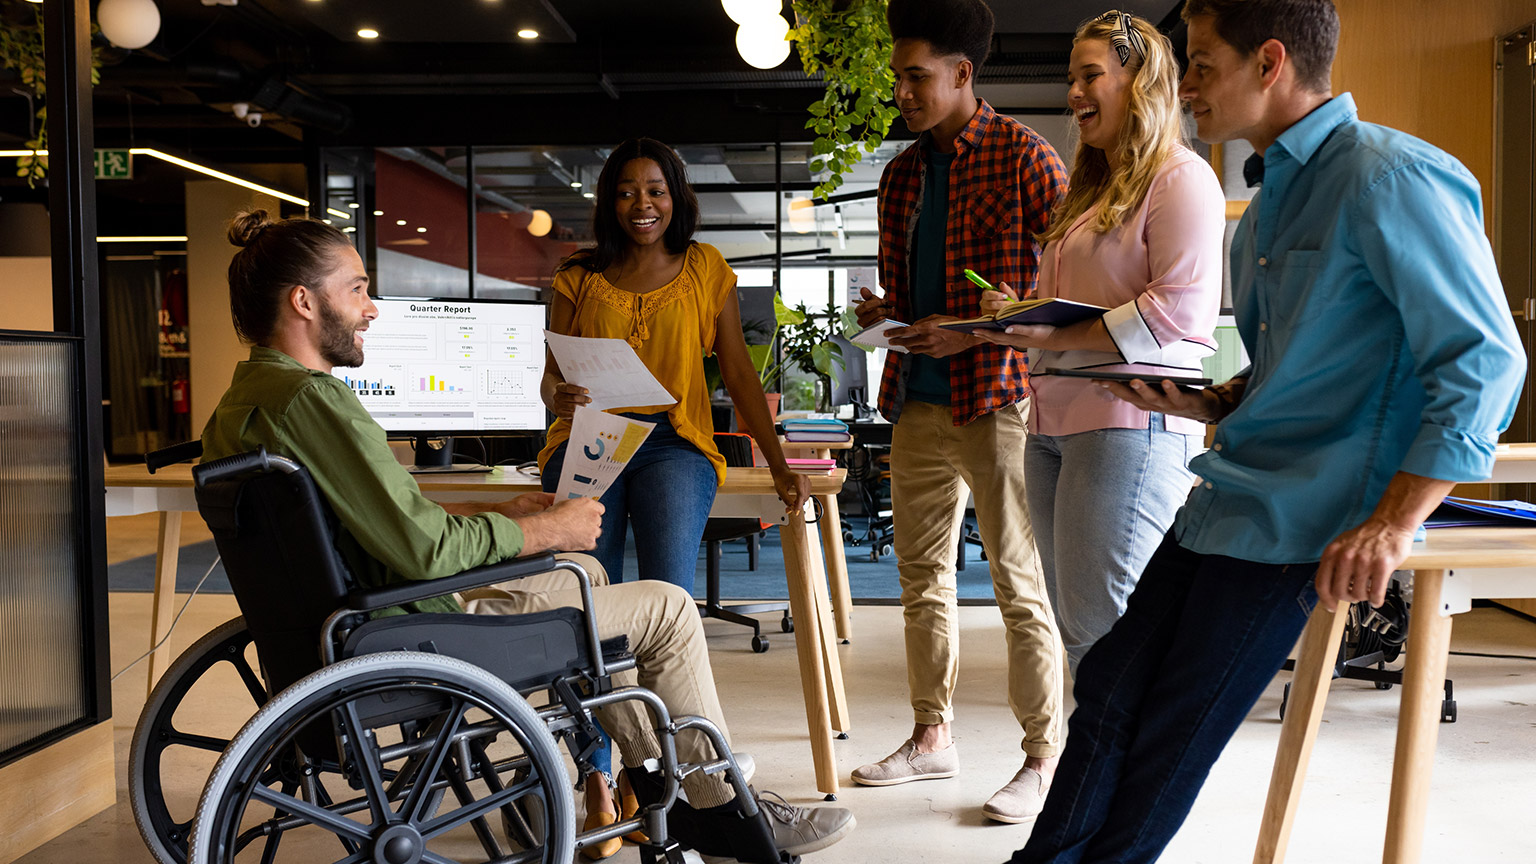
[1480, 809]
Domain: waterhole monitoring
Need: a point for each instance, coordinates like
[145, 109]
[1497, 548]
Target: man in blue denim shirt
[1385, 365]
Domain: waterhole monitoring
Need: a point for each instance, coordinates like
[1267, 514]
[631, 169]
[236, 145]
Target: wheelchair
[392, 739]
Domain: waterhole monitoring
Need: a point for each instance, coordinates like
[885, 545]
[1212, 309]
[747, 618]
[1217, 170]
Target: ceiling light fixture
[742, 11]
[589, 194]
[763, 41]
[539, 223]
[575, 184]
[400, 222]
[353, 204]
[338, 213]
[527, 33]
[421, 230]
[144, 238]
[368, 33]
[129, 23]
[378, 212]
[802, 217]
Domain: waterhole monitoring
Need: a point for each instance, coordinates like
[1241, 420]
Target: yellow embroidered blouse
[671, 328]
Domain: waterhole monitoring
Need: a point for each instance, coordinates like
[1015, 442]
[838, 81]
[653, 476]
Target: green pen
[984, 284]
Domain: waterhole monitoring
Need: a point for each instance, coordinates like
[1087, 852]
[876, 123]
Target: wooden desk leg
[832, 666]
[1418, 722]
[799, 567]
[167, 555]
[837, 567]
[1303, 714]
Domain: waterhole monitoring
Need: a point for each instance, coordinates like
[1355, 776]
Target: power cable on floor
[174, 621]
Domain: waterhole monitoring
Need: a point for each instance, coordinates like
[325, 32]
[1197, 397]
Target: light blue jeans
[1100, 503]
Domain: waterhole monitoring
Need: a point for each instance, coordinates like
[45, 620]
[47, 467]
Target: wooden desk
[747, 492]
[1451, 568]
[831, 534]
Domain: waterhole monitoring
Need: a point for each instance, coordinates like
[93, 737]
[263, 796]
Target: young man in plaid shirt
[970, 194]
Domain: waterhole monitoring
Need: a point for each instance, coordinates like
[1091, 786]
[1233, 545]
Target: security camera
[243, 111]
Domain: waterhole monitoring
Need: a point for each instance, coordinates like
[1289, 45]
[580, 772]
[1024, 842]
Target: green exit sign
[114, 165]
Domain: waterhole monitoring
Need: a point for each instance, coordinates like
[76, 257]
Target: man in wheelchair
[299, 294]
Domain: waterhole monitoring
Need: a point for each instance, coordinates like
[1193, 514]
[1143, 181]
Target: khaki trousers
[932, 463]
[665, 636]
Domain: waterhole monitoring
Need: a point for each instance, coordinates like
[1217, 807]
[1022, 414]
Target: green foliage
[848, 43]
[21, 49]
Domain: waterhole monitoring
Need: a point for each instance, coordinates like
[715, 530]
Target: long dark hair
[611, 239]
[274, 256]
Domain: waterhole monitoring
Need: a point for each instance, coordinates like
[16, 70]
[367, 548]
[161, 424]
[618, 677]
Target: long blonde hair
[1153, 130]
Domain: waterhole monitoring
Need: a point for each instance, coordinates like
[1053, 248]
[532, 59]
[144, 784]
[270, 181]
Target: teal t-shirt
[929, 378]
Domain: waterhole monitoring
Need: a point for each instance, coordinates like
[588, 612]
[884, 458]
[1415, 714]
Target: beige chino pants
[932, 463]
[665, 636]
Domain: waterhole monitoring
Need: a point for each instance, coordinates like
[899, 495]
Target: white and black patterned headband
[1125, 38]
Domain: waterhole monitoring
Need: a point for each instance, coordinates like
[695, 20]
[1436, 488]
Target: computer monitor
[443, 367]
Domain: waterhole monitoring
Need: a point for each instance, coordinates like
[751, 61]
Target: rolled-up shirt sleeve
[378, 501]
[1171, 321]
[1436, 267]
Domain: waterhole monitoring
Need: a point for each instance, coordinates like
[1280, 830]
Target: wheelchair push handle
[186, 451]
[258, 460]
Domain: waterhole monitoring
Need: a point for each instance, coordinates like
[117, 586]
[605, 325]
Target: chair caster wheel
[787, 624]
[759, 644]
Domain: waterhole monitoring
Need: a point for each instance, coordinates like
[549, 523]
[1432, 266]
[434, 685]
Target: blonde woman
[1139, 232]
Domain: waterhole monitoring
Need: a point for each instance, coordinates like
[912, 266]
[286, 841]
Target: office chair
[398, 728]
[737, 450]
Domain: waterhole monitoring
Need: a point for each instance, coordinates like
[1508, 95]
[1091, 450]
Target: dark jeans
[665, 492]
[1159, 697]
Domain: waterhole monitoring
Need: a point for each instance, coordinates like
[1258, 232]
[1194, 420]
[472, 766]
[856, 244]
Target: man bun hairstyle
[275, 256]
[1309, 30]
[950, 26]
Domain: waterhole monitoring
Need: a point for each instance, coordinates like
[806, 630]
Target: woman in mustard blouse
[674, 300]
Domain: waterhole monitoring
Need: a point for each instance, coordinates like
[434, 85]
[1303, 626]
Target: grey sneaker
[799, 830]
[1018, 801]
[906, 765]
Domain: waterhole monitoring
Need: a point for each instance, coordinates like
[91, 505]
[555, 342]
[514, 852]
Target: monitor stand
[435, 456]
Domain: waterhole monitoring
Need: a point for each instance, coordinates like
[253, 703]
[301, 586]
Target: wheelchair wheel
[425, 742]
[164, 743]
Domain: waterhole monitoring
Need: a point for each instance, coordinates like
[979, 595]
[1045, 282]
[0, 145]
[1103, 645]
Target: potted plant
[807, 344]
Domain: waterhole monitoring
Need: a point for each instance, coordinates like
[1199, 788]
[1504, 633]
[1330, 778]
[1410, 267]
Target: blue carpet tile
[868, 580]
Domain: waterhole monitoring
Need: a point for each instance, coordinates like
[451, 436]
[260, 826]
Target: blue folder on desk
[1470, 512]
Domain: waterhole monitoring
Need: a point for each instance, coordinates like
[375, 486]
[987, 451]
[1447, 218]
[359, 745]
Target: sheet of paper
[600, 446]
[874, 335]
[612, 372]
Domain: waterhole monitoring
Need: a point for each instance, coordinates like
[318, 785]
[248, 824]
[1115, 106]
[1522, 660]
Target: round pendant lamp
[129, 23]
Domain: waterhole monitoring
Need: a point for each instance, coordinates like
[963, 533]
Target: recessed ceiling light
[326, 221]
[575, 184]
[399, 221]
[589, 194]
[354, 205]
[421, 230]
[348, 230]
[378, 212]
[527, 33]
[368, 33]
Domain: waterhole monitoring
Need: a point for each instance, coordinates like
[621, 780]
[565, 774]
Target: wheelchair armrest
[372, 599]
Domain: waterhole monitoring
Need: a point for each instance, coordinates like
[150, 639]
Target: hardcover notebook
[1040, 310]
[1470, 512]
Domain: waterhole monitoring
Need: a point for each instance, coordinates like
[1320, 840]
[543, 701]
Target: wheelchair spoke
[338, 825]
[479, 808]
[198, 742]
[412, 808]
[253, 683]
[368, 768]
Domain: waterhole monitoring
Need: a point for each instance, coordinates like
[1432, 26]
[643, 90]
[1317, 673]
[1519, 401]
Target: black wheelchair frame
[415, 677]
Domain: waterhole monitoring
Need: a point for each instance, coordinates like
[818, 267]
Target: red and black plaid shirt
[1002, 185]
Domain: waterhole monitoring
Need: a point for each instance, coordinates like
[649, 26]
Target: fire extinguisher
[180, 404]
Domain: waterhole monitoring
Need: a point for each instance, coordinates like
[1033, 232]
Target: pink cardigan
[1159, 272]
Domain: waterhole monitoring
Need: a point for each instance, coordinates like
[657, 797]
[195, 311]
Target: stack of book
[812, 466]
[815, 430]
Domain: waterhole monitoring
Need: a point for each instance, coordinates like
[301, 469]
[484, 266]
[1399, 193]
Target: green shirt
[389, 531]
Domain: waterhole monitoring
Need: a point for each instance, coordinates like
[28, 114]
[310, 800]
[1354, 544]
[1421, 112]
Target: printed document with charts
[614, 375]
[600, 446]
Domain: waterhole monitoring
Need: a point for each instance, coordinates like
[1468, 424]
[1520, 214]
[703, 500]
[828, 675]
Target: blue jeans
[1100, 503]
[665, 492]
[1159, 697]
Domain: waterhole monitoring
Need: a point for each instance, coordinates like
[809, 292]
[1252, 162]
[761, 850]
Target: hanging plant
[21, 49]
[848, 43]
